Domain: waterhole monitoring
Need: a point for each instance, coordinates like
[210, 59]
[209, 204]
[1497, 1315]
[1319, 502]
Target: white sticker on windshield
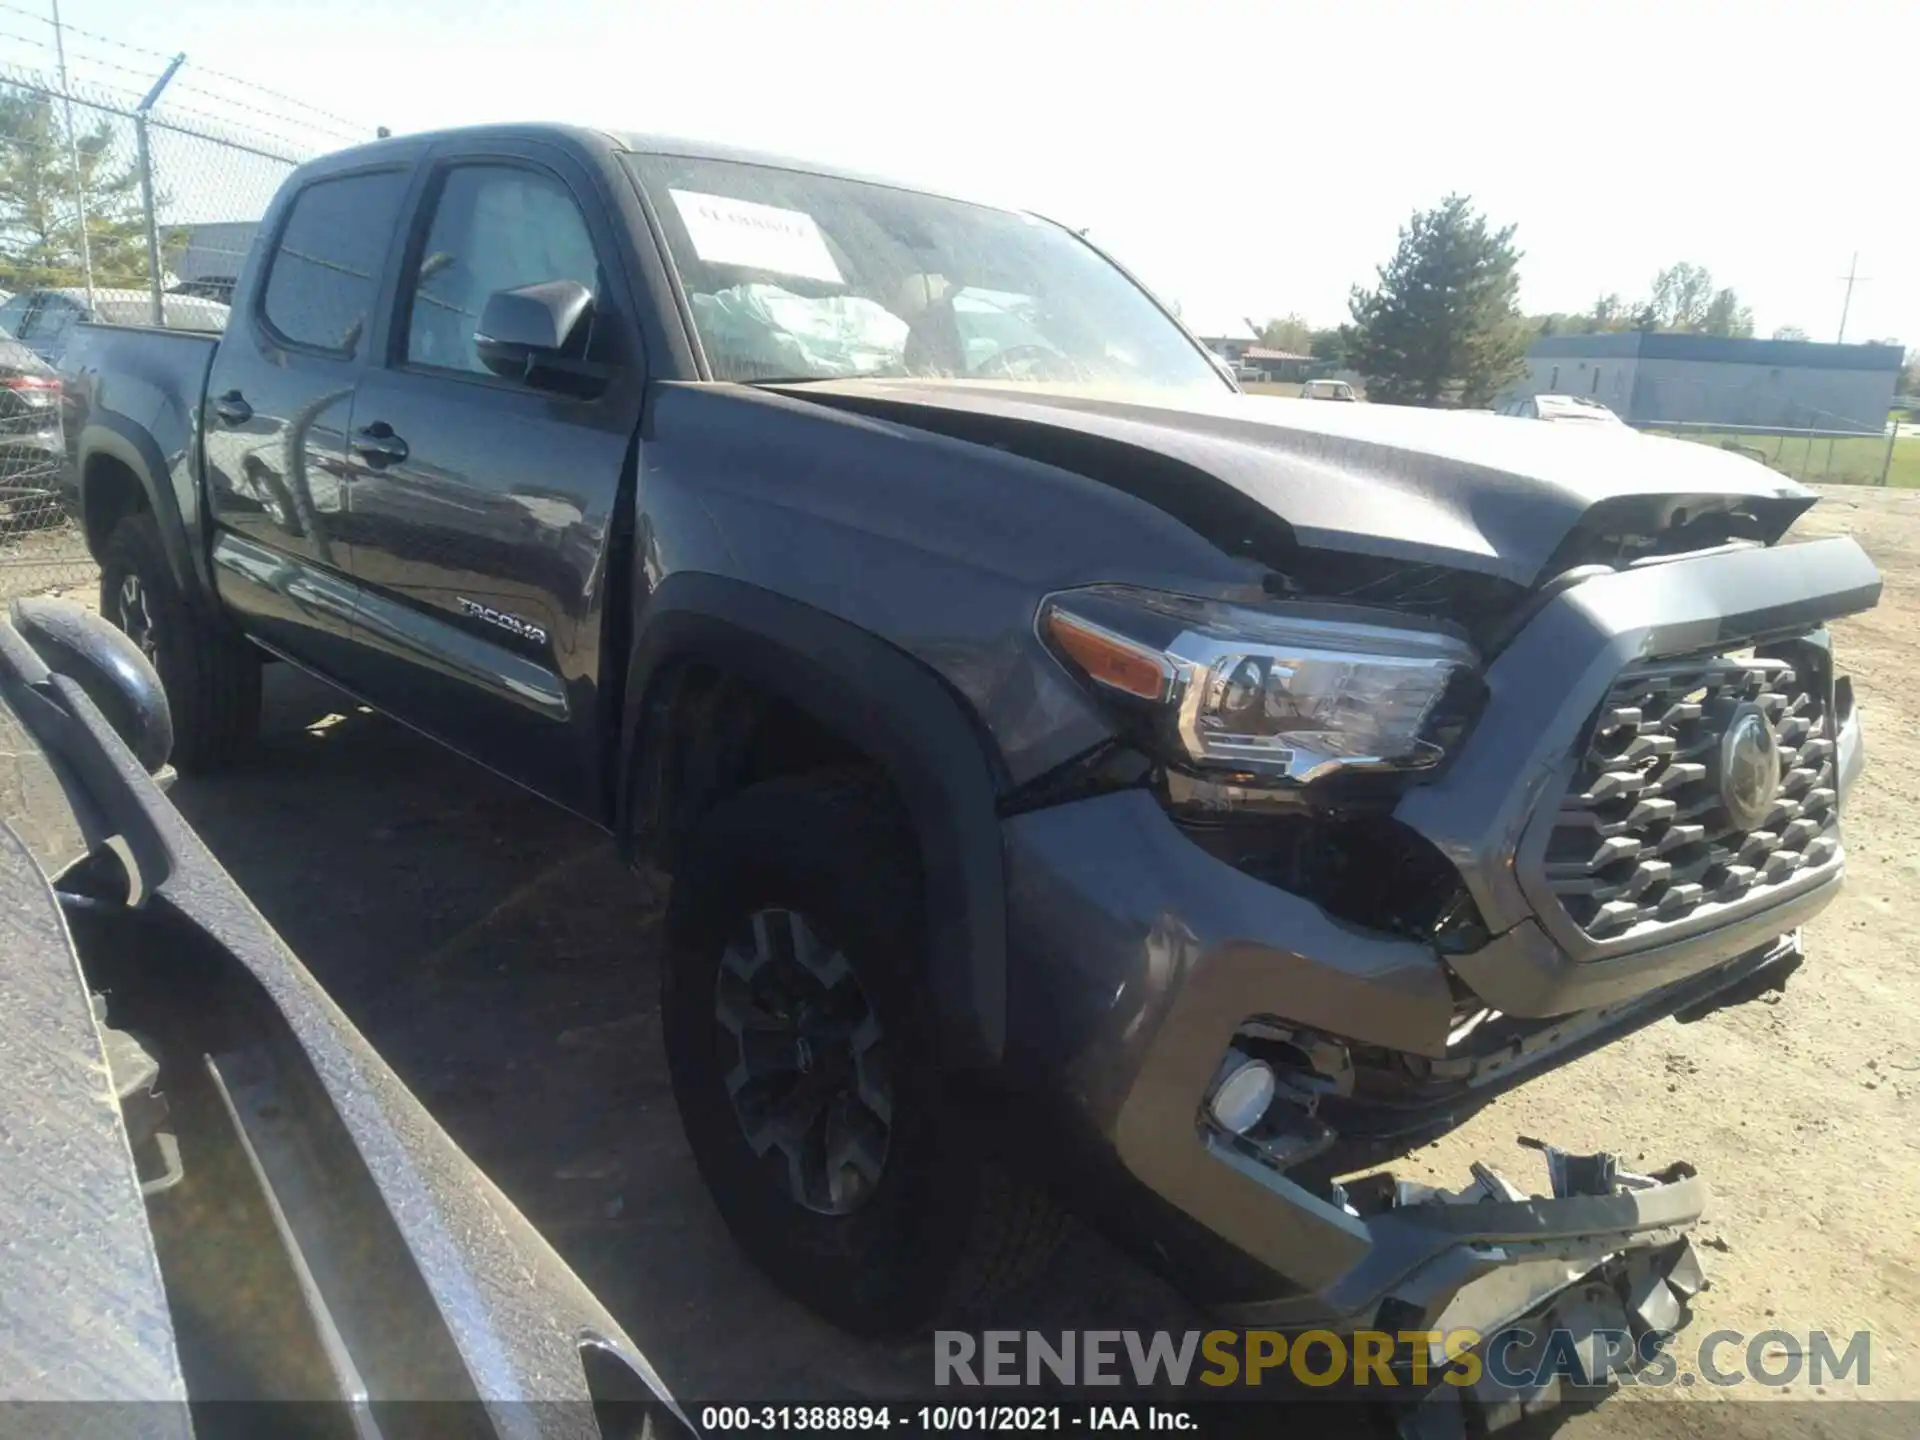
[764, 237]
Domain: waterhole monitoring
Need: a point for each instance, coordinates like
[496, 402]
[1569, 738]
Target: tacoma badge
[525, 629]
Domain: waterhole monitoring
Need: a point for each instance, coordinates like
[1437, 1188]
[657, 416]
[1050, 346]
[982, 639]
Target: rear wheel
[801, 1048]
[211, 675]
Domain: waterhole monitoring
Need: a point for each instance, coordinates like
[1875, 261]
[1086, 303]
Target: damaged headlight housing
[1287, 694]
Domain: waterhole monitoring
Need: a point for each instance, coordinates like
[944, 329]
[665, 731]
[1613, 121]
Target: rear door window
[325, 269]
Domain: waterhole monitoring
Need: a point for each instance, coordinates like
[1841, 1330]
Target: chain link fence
[1816, 453]
[121, 206]
[1841, 429]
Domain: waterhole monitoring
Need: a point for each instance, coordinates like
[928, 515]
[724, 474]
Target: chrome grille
[1642, 838]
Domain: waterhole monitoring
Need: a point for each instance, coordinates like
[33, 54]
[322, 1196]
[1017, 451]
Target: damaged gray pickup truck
[1077, 778]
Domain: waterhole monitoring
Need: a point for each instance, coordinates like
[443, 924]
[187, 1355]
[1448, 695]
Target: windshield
[791, 275]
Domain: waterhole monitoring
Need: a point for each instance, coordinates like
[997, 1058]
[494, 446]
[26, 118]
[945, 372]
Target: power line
[354, 127]
[142, 50]
[145, 77]
[95, 91]
[163, 113]
[46, 47]
[222, 129]
[229, 101]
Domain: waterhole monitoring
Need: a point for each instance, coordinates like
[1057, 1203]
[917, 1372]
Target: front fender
[894, 710]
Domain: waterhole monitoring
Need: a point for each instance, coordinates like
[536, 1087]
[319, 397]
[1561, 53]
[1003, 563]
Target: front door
[278, 401]
[482, 504]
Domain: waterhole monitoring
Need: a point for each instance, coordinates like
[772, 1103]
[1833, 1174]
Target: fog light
[1243, 1097]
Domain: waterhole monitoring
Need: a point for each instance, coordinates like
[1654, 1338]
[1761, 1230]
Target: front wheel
[211, 675]
[801, 1049]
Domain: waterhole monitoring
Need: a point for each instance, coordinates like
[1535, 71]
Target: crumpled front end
[1635, 824]
[1655, 785]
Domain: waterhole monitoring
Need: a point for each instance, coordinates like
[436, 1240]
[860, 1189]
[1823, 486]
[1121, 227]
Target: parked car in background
[1576, 408]
[1328, 390]
[31, 448]
[42, 320]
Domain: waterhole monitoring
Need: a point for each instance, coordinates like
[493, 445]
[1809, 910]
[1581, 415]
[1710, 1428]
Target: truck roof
[614, 142]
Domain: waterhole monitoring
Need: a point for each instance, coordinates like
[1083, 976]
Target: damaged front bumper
[1141, 965]
[1478, 1259]
[1564, 1313]
[1125, 998]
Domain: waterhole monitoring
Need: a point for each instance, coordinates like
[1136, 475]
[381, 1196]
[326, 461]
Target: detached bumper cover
[1479, 1258]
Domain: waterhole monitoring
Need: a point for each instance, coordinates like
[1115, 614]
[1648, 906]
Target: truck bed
[132, 393]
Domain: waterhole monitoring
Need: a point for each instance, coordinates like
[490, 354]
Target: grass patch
[1837, 460]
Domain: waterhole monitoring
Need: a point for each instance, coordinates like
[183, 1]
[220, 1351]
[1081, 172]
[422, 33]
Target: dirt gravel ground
[505, 964]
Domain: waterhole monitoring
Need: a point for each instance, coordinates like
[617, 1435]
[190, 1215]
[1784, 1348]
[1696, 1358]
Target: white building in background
[1651, 378]
[211, 255]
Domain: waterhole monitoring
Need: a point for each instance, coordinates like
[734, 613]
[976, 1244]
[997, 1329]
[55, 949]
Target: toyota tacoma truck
[1079, 781]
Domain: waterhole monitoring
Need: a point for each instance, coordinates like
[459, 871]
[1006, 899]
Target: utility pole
[1852, 278]
[140, 114]
[73, 154]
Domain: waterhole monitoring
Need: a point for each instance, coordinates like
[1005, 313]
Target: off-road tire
[211, 675]
[945, 1228]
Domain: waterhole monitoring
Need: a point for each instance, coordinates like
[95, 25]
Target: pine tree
[39, 212]
[1726, 316]
[1442, 323]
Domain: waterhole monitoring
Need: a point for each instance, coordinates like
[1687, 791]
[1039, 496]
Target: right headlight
[1287, 694]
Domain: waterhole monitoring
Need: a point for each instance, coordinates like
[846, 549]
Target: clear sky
[1244, 158]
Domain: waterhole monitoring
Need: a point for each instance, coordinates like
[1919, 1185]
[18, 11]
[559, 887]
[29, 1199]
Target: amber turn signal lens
[1105, 657]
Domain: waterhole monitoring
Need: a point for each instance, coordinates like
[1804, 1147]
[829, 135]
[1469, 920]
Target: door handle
[232, 408]
[378, 445]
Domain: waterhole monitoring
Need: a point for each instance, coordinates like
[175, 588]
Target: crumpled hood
[1466, 489]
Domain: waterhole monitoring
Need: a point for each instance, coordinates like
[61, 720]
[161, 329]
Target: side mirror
[520, 328]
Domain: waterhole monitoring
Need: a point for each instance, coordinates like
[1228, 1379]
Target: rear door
[279, 398]
[483, 505]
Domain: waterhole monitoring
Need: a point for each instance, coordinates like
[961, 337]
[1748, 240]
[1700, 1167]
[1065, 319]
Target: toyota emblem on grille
[1749, 768]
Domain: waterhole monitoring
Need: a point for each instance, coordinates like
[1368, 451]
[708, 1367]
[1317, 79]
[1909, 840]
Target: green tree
[1727, 316]
[1329, 345]
[1290, 333]
[1789, 332]
[1441, 324]
[39, 209]
[1681, 296]
[1609, 312]
[1559, 322]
